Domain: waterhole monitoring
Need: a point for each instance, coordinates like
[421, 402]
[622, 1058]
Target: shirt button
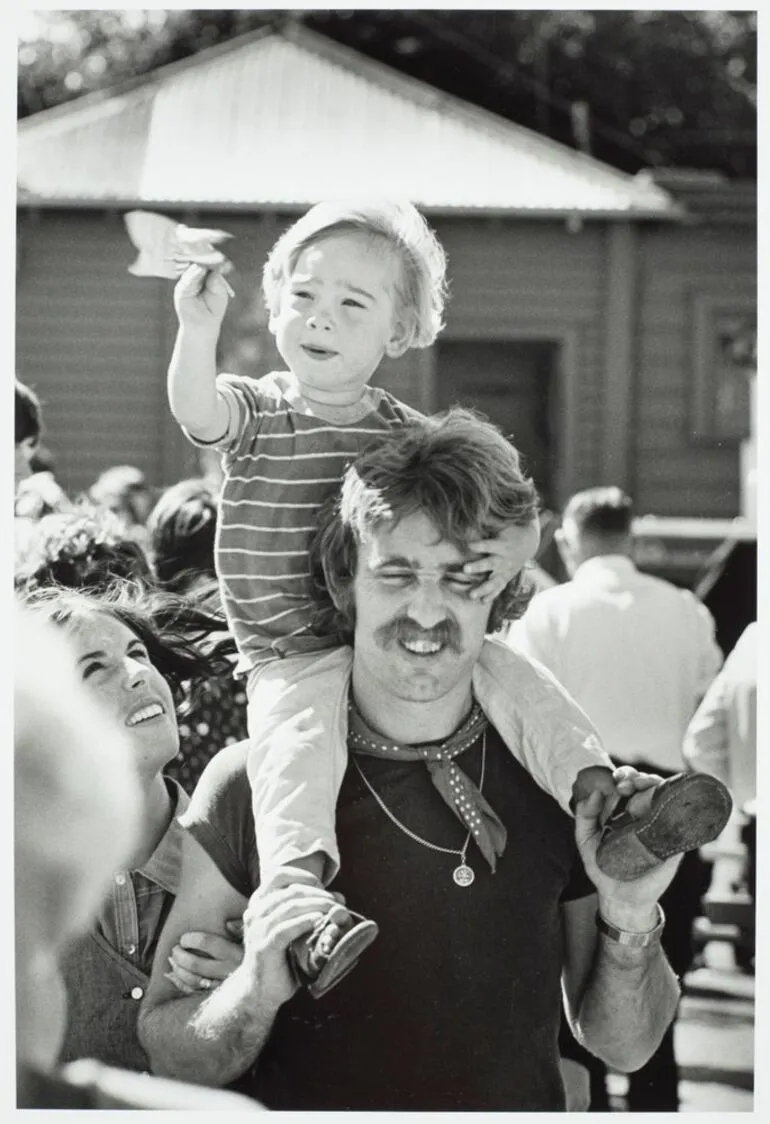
[137, 992]
[120, 879]
[131, 949]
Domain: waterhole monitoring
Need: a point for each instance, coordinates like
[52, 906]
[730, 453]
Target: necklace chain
[412, 834]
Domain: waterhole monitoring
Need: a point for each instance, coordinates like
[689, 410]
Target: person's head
[81, 549]
[349, 283]
[27, 429]
[135, 651]
[596, 521]
[181, 527]
[77, 816]
[123, 489]
[390, 551]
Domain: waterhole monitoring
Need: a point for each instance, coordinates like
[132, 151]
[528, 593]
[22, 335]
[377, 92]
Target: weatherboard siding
[674, 474]
[91, 340]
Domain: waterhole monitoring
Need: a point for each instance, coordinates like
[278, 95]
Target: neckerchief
[456, 788]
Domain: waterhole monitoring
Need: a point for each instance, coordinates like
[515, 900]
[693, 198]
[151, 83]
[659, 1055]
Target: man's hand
[627, 905]
[288, 905]
[200, 298]
[504, 557]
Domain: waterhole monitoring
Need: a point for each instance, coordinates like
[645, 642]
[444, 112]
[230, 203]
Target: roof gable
[284, 118]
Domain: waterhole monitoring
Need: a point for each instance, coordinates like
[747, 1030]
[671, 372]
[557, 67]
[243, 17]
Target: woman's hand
[202, 960]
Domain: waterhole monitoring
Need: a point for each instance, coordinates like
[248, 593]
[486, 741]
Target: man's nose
[426, 605]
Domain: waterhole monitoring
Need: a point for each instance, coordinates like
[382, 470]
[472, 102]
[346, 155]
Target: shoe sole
[692, 811]
[343, 958]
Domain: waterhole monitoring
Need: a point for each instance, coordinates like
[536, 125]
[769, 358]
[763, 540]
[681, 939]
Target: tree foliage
[635, 88]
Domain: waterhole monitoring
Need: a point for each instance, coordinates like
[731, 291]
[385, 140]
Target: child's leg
[297, 716]
[540, 723]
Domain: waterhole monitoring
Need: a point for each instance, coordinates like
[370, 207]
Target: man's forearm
[210, 1039]
[630, 999]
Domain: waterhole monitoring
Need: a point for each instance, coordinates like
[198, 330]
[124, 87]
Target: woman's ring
[205, 985]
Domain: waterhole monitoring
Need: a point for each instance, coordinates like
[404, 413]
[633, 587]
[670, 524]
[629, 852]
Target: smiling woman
[134, 653]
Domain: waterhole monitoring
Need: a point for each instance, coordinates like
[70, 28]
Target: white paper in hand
[166, 247]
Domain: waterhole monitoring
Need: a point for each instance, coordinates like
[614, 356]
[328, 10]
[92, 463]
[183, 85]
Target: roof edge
[27, 201]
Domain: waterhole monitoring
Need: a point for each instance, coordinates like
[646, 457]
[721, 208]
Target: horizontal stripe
[265, 553]
[268, 530]
[259, 576]
[283, 482]
[264, 503]
[298, 456]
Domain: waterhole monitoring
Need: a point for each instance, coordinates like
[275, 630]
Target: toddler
[345, 286]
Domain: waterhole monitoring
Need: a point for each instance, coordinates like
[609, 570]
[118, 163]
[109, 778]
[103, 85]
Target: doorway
[513, 382]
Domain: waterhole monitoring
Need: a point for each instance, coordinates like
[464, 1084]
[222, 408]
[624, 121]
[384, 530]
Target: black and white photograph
[385, 585]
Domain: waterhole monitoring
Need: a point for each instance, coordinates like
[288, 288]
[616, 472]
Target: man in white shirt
[637, 653]
[722, 737]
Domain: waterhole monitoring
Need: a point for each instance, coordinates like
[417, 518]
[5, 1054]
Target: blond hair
[422, 290]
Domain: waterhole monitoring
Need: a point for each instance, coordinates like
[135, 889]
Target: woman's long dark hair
[185, 637]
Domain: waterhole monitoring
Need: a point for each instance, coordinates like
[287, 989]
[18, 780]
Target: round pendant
[463, 875]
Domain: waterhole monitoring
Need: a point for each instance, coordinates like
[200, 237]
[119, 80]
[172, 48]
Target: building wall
[675, 473]
[92, 341]
[536, 280]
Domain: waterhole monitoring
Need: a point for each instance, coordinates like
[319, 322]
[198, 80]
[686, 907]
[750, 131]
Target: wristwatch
[631, 940]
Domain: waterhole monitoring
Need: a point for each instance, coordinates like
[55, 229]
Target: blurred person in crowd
[124, 490]
[28, 426]
[181, 529]
[721, 738]
[637, 654]
[486, 891]
[36, 492]
[727, 586]
[74, 781]
[81, 549]
[133, 650]
[37, 495]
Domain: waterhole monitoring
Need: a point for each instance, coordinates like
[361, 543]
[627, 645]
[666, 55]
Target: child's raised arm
[200, 300]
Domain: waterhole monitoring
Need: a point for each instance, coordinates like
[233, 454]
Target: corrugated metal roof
[284, 118]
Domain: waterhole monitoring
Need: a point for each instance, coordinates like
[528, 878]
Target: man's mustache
[405, 631]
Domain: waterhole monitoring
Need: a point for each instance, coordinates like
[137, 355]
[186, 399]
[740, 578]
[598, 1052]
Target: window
[724, 354]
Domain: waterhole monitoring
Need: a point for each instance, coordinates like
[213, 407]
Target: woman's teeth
[154, 710]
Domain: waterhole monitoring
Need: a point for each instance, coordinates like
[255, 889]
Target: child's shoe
[321, 958]
[684, 812]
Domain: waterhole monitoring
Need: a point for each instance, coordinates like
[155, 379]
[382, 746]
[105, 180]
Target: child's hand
[200, 298]
[504, 558]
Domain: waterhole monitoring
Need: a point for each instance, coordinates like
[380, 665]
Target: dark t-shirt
[457, 1003]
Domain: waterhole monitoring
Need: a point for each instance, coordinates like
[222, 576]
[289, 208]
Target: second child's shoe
[685, 812]
[325, 955]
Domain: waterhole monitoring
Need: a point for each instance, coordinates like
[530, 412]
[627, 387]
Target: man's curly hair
[458, 469]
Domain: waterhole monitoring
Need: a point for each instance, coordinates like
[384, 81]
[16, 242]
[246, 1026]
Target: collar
[164, 866]
[619, 565]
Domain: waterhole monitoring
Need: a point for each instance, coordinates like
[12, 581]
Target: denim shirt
[106, 972]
